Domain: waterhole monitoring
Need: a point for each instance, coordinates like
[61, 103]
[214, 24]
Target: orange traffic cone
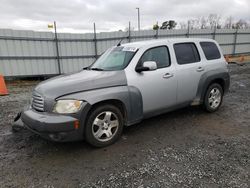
[242, 58]
[3, 89]
[227, 58]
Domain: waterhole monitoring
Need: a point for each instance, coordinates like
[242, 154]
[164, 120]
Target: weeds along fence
[30, 53]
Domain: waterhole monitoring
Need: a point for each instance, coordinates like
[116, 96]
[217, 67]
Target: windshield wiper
[85, 68]
[89, 68]
[97, 69]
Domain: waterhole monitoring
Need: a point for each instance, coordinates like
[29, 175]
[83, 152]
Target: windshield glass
[116, 58]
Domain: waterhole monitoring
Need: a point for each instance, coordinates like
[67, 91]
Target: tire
[104, 126]
[213, 98]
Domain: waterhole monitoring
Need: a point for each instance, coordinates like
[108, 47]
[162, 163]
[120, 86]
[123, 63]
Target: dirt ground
[184, 148]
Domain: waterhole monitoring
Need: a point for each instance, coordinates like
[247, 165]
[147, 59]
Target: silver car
[128, 83]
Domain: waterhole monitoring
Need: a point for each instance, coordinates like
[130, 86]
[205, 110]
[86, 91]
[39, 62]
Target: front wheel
[213, 97]
[104, 126]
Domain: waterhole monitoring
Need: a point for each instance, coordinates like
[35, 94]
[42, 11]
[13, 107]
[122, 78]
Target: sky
[111, 15]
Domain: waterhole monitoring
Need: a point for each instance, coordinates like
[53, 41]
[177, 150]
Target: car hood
[80, 81]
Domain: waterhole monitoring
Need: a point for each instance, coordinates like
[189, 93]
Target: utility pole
[57, 50]
[129, 32]
[95, 42]
[138, 12]
[188, 29]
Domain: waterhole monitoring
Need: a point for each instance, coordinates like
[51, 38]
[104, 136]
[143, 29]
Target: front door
[158, 87]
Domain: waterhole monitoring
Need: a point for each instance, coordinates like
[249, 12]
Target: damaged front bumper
[51, 126]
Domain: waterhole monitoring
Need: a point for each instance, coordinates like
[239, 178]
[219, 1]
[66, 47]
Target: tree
[203, 22]
[210, 21]
[193, 23]
[241, 24]
[228, 22]
[214, 20]
[183, 25]
[156, 26]
[171, 24]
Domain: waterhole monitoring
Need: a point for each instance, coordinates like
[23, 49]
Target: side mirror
[147, 66]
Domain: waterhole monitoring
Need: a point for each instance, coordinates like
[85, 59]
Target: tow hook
[18, 124]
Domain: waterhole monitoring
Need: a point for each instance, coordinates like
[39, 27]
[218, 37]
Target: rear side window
[186, 53]
[210, 50]
[158, 54]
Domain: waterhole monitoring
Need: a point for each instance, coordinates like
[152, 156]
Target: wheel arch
[115, 102]
[129, 101]
[219, 81]
[218, 76]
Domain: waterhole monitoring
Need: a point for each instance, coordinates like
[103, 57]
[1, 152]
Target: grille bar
[37, 102]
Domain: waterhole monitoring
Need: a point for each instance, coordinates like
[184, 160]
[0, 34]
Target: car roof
[168, 40]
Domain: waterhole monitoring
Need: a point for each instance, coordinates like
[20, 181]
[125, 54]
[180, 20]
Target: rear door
[189, 68]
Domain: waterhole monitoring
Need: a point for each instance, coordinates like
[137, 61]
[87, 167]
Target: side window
[186, 53]
[159, 54]
[210, 50]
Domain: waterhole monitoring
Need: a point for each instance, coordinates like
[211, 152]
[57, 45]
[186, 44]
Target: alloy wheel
[214, 98]
[105, 126]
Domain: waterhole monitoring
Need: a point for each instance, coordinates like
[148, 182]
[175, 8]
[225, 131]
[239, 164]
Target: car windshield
[115, 58]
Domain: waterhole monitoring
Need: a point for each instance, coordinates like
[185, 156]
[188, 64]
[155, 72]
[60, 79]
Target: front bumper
[52, 126]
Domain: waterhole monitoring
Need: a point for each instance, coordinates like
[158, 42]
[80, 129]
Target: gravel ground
[185, 148]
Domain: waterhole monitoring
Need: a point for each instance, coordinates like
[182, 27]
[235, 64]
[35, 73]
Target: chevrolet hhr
[126, 84]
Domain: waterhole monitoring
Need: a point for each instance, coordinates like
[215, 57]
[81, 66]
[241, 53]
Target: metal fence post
[129, 30]
[235, 41]
[57, 50]
[214, 33]
[95, 42]
[188, 30]
[157, 32]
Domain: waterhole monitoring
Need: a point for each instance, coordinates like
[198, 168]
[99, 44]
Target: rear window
[186, 53]
[210, 50]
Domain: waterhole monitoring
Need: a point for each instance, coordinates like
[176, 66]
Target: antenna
[124, 37]
[119, 43]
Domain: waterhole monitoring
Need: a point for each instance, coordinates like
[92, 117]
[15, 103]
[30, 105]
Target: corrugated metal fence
[29, 53]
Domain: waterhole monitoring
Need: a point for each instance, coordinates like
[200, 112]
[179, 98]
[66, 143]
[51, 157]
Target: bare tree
[193, 23]
[228, 22]
[247, 25]
[211, 21]
[183, 25]
[214, 20]
[203, 22]
[241, 24]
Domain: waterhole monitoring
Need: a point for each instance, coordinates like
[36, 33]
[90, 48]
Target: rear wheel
[104, 126]
[213, 97]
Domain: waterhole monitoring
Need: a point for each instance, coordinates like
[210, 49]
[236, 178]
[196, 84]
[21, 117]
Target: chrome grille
[37, 102]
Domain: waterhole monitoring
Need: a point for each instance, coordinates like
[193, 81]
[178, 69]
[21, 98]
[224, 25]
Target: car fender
[129, 96]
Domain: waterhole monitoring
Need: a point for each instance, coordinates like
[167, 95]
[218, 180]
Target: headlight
[67, 106]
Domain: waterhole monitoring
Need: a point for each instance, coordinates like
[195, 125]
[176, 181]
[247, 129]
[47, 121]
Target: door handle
[199, 69]
[168, 75]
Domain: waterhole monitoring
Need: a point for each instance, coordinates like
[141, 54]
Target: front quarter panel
[129, 96]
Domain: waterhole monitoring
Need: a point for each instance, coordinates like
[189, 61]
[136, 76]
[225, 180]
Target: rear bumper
[52, 126]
